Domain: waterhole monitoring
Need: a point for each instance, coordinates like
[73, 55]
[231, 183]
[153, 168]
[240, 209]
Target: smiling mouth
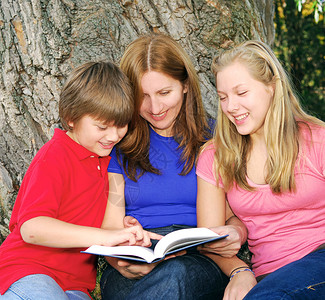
[159, 115]
[107, 145]
[241, 117]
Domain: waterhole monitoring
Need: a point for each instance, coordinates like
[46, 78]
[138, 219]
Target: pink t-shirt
[281, 228]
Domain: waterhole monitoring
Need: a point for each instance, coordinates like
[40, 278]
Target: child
[268, 160]
[62, 200]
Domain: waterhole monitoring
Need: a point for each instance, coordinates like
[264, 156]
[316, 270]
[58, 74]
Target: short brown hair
[100, 90]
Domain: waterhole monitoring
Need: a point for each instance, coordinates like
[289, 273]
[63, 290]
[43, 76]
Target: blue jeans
[189, 277]
[300, 280]
[40, 286]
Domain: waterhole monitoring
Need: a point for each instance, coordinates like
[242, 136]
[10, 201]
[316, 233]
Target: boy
[62, 199]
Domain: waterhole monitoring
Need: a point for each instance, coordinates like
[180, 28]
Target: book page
[181, 238]
[132, 251]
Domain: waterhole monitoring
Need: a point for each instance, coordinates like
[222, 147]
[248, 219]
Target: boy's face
[95, 135]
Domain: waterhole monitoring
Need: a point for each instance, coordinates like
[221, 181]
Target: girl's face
[162, 100]
[244, 100]
[96, 136]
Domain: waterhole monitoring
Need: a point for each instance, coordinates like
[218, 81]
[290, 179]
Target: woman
[152, 176]
[268, 159]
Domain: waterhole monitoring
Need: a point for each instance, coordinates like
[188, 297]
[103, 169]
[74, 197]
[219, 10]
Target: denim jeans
[303, 279]
[189, 277]
[40, 286]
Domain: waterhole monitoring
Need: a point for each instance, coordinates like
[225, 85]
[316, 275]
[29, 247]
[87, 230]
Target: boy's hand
[140, 237]
[130, 221]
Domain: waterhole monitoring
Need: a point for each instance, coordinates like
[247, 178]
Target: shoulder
[312, 133]
[206, 156]
[115, 163]
[205, 168]
[207, 149]
[312, 145]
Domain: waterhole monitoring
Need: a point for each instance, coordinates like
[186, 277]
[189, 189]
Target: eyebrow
[234, 88]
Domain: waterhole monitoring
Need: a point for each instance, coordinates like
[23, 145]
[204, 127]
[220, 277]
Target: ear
[70, 124]
[185, 87]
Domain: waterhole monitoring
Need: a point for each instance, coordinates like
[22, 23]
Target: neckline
[253, 184]
[160, 136]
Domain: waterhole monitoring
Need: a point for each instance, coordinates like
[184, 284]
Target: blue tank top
[160, 200]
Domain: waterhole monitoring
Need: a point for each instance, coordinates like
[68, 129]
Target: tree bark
[41, 41]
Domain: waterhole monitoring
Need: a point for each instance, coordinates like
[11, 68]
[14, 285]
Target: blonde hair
[97, 89]
[160, 53]
[281, 127]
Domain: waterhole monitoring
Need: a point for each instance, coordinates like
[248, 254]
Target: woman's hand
[239, 286]
[130, 269]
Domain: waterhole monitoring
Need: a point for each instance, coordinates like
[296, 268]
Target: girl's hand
[227, 247]
[239, 286]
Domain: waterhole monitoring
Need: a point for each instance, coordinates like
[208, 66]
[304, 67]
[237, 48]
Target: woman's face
[162, 100]
[244, 100]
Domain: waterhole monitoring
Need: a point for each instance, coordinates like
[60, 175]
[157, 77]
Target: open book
[170, 243]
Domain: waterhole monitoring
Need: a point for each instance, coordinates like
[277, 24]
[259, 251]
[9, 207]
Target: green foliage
[300, 44]
[315, 5]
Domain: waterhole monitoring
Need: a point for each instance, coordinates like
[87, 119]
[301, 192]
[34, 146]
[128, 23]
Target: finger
[146, 239]
[130, 221]
[139, 232]
[155, 236]
[123, 263]
[132, 239]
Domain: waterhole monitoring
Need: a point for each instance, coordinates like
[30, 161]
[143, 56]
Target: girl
[268, 159]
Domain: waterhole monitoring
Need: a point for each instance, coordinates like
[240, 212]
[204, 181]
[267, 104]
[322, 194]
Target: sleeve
[321, 150]
[205, 165]
[41, 191]
[114, 166]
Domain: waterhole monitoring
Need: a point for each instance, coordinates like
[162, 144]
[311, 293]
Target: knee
[175, 268]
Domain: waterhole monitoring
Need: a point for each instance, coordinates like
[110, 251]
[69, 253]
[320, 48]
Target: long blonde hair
[160, 53]
[281, 127]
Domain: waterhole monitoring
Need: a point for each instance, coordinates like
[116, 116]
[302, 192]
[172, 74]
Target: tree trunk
[41, 41]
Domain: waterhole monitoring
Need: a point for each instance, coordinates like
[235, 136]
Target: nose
[112, 134]
[115, 134]
[154, 104]
[233, 104]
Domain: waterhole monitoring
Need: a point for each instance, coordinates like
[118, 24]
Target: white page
[143, 252]
[183, 237]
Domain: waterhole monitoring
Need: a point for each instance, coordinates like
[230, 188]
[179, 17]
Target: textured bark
[42, 40]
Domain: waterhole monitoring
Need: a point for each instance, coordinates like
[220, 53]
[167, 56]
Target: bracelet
[243, 267]
[242, 270]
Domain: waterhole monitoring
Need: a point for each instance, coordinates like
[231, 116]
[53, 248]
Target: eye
[242, 93]
[164, 93]
[222, 97]
[102, 128]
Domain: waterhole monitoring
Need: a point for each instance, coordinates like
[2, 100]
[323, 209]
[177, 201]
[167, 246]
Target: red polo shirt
[67, 182]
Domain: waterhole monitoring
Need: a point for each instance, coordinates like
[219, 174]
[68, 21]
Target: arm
[237, 235]
[51, 232]
[115, 209]
[211, 206]
[114, 218]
